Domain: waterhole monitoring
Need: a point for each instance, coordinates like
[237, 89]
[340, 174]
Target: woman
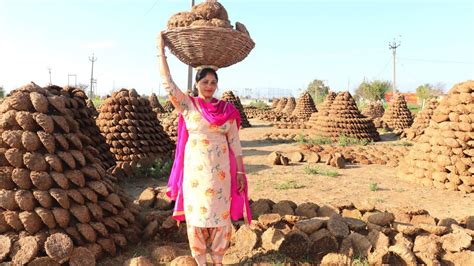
[208, 179]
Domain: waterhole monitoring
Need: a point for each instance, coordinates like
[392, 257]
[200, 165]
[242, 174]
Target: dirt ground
[353, 183]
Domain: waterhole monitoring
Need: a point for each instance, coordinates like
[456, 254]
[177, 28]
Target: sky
[341, 42]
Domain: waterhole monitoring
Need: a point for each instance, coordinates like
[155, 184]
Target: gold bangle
[240, 173]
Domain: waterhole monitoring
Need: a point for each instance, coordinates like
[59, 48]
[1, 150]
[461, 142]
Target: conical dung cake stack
[290, 106]
[54, 197]
[168, 107]
[305, 107]
[316, 118]
[275, 102]
[344, 119]
[398, 116]
[281, 105]
[374, 110]
[132, 130]
[170, 125]
[422, 120]
[230, 97]
[443, 156]
[155, 104]
[87, 125]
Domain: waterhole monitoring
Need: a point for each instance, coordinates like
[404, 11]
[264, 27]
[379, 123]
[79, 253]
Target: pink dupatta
[216, 113]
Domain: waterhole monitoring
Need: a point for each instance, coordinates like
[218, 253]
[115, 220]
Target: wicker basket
[198, 46]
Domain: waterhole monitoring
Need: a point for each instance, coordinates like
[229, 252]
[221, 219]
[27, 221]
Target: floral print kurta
[206, 180]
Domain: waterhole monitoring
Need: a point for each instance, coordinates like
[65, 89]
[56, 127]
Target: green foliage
[348, 141]
[97, 101]
[288, 185]
[2, 92]
[301, 139]
[258, 104]
[373, 90]
[316, 170]
[374, 187]
[161, 168]
[427, 91]
[318, 90]
[360, 261]
[318, 140]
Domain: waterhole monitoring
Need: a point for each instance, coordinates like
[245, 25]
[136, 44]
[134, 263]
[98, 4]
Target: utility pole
[393, 46]
[92, 59]
[49, 69]
[190, 71]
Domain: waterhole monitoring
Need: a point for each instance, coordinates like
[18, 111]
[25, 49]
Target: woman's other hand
[240, 182]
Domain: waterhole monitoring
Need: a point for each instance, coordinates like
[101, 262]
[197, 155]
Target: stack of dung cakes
[155, 104]
[443, 156]
[344, 119]
[132, 130]
[170, 125]
[290, 106]
[229, 96]
[305, 107]
[316, 118]
[275, 102]
[84, 115]
[56, 201]
[422, 120]
[281, 105]
[168, 107]
[374, 110]
[398, 116]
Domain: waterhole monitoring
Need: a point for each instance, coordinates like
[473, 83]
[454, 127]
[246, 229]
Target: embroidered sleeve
[234, 139]
[179, 100]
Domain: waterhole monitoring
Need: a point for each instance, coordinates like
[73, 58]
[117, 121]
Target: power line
[151, 8]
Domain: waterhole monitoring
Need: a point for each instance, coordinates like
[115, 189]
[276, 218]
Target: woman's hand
[160, 43]
[240, 182]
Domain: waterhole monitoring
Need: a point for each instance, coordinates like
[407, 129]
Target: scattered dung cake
[422, 120]
[374, 110]
[57, 202]
[316, 118]
[289, 106]
[344, 119]
[398, 116]
[331, 234]
[305, 107]
[155, 104]
[132, 130]
[229, 96]
[443, 156]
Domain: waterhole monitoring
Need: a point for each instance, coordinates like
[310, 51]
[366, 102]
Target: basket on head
[197, 46]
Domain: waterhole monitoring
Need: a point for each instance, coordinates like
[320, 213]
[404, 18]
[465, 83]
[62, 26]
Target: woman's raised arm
[180, 100]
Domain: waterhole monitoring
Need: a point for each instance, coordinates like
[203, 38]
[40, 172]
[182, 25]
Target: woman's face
[207, 86]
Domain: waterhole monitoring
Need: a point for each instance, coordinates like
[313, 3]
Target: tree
[318, 90]
[427, 90]
[2, 92]
[373, 90]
